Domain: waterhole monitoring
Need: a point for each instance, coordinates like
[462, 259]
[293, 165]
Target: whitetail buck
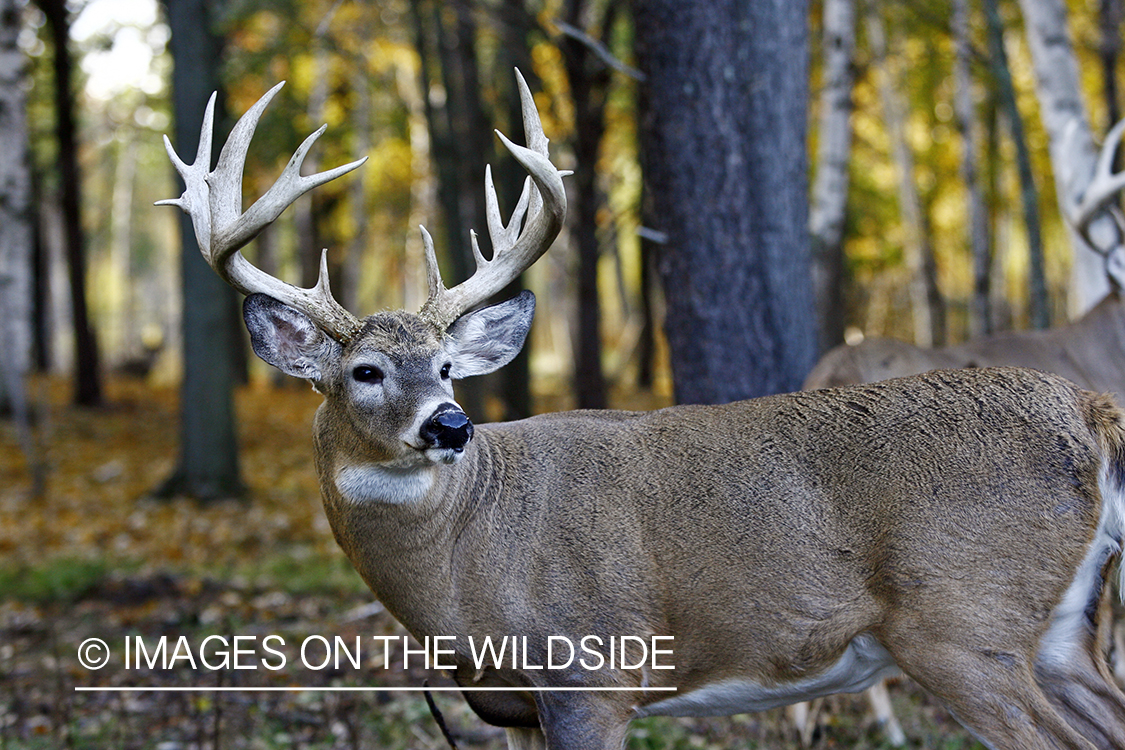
[958, 525]
[1090, 352]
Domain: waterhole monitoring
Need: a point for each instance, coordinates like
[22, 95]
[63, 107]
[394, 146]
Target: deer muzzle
[447, 428]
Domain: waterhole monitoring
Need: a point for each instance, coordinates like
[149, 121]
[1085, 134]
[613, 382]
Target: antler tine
[213, 199]
[1104, 186]
[513, 250]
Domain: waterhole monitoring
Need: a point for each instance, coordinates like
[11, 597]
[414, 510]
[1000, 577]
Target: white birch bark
[827, 211]
[15, 213]
[1073, 152]
[16, 243]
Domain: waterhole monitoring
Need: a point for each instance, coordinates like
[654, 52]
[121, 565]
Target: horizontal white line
[443, 689]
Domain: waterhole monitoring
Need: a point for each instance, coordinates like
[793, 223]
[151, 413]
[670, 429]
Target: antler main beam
[1103, 188]
[543, 201]
[213, 199]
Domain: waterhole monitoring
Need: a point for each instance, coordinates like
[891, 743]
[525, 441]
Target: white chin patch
[444, 455]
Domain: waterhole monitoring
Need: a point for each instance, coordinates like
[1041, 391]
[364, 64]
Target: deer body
[1090, 351]
[959, 525]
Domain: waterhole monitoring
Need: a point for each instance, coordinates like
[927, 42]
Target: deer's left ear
[485, 340]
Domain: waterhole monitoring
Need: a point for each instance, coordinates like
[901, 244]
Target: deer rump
[794, 546]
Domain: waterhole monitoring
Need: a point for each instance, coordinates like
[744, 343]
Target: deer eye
[445, 370]
[367, 374]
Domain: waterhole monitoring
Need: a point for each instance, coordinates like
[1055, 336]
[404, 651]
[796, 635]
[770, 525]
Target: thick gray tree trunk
[828, 209]
[1071, 141]
[208, 443]
[725, 163]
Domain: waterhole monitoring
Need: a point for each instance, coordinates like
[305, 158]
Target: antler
[513, 251]
[1103, 188]
[214, 202]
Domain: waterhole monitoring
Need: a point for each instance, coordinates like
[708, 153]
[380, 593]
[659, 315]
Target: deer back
[1090, 351]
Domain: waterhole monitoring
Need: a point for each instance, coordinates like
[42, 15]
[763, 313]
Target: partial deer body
[1090, 351]
[957, 525]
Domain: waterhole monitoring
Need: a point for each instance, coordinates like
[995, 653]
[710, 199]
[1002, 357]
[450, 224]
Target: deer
[958, 525]
[1089, 351]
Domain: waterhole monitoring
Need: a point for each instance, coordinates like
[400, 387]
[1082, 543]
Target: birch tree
[16, 239]
[15, 216]
[1073, 153]
[827, 210]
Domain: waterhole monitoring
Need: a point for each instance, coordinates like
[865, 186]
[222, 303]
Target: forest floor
[96, 556]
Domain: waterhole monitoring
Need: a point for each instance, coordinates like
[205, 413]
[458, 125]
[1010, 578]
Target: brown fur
[1090, 351]
[762, 541]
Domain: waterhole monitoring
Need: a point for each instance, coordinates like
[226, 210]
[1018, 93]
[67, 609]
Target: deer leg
[880, 701]
[582, 722]
[993, 695]
[1091, 705]
[802, 717]
[521, 738]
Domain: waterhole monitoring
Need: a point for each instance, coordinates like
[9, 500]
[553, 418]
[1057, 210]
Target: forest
[745, 196]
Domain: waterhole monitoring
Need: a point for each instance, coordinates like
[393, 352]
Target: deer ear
[286, 338]
[487, 339]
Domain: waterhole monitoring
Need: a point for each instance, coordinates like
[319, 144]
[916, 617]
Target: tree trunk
[16, 237]
[1073, 153]
[455, 145]
[1038, 303]
[208, 467]
[919, 260]
[724, 135]
[517, 26]
[88, 388]
[1111, 13]
[980, 318]
[828, 209]
[589, 84]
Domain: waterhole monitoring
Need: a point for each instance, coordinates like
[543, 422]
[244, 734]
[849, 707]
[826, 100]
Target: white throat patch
[372, 483]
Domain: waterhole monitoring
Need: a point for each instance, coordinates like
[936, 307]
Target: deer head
[388, 376]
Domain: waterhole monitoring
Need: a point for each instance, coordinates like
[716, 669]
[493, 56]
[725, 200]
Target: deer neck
[398, 526]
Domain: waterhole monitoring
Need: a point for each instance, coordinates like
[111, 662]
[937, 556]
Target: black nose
[448, 427]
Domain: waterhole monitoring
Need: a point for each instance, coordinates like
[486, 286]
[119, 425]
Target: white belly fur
[863, 662]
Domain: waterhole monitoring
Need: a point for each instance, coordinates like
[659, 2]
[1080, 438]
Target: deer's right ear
[286, 338]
